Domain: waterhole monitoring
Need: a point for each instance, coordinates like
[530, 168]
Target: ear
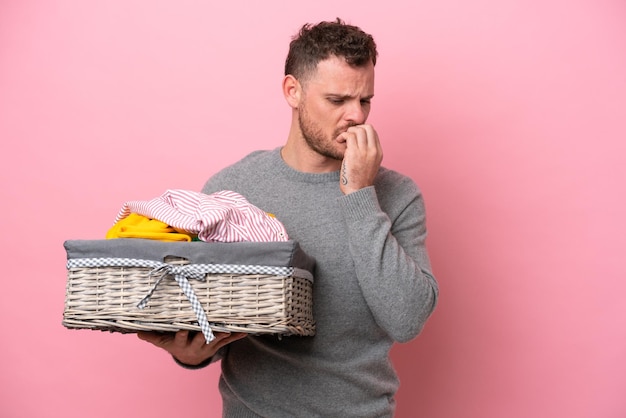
[292, 90]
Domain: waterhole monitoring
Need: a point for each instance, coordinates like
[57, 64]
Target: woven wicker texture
[106, 298]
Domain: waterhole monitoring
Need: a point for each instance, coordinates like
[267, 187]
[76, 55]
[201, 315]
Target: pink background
[509, 114]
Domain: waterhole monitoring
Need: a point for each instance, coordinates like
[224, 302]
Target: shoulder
[234, 175]
[252, 159]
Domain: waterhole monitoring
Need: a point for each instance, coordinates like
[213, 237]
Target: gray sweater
[373, 287]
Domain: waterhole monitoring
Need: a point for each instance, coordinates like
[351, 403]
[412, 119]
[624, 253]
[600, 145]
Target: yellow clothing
[139, 226]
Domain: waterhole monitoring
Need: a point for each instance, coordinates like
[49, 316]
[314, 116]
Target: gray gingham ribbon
[181, 274]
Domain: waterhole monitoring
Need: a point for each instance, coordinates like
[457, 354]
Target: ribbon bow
[181, 274]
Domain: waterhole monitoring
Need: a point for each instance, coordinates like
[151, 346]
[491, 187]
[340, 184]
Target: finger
[236, 336]
[157, 338]
[149, 336]
[375, 141]
[181, 338]
[223, 338]
[362, 133]
[368, 136]
[228, 339]
[356, 136]
[145, 335]
[198, 341]
[347, 137]
[370, 145]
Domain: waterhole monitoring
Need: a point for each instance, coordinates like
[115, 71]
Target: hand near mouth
[362, 158]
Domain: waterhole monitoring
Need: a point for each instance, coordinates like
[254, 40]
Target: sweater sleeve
[390, 257]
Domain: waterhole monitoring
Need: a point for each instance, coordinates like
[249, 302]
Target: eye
[335, 101]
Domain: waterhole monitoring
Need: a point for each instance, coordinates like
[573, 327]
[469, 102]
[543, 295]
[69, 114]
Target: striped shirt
[223, 216]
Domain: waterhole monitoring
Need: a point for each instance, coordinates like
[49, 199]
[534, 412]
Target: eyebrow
[348, 96]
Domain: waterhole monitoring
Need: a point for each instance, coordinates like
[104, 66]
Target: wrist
[200, 365]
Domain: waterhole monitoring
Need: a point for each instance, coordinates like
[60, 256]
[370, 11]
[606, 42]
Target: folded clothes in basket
[224, 216]
[139, 226]
[128, 285]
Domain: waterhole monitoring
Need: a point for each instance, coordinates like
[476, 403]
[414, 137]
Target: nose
[356, 113]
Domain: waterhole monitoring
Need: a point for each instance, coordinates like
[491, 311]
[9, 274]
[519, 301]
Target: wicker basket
[106, 296]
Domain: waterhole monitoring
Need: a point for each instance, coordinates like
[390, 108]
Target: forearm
[391, 262]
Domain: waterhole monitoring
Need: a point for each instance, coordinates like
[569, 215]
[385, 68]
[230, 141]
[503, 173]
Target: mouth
[339, 136]
[342, 130]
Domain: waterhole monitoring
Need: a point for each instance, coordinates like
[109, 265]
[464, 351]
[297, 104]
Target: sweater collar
[284, 170]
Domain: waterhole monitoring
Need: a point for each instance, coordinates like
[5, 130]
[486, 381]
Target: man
[364, 225]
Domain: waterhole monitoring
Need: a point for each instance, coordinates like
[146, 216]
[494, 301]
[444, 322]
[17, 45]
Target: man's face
[334, 98]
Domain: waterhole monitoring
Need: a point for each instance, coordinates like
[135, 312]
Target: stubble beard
[315, 137]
